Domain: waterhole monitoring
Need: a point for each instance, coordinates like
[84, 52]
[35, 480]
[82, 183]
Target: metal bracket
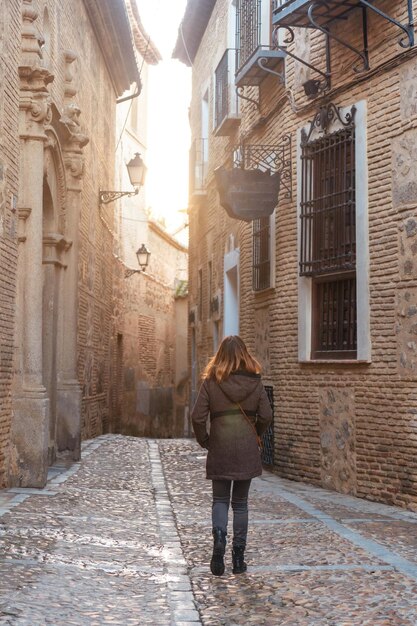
[364, 56]
[239, 93]
[261, 63]
[276, 158]
[129, 272]
[408, 30]
[110, 196]
[321, 85]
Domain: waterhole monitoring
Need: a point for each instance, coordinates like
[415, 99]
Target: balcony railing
[295, 12]
[279, 4]
[198, 166]
[248, 29]
[255, 56]
[226, 104]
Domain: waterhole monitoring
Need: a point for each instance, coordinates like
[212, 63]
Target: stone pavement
[124, 538]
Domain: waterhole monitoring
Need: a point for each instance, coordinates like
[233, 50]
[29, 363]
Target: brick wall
[10, 19]
[71, 30]
[152, 404]
[347, 427]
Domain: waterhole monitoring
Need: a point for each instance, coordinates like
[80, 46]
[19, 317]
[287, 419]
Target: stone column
[29, 454]
[69, 389]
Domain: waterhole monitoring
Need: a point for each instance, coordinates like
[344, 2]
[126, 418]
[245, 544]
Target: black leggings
[220, 509]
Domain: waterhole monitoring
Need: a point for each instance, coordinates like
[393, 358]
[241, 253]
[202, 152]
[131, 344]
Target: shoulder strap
[246, 417]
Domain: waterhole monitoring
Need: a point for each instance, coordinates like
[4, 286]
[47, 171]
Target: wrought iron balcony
[255, 56]
[264, 60]
[322, 13]
[198, 167]
[227, 116]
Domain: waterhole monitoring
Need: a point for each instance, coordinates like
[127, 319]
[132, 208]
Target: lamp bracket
[110, 196]
[129, 272]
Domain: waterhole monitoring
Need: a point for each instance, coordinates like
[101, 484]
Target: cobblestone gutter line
[372, 547]
[57, 475]
[181, 596]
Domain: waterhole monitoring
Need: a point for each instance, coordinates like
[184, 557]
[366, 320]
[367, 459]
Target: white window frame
[362, 247]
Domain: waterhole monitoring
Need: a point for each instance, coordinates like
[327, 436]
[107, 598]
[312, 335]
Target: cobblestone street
[124, 538]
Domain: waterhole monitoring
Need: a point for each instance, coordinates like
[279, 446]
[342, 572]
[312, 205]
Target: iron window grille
[334, 317]
[328, 240]
[248, 29]
[261, 271]
[328, 228]
[226, 99]
[268, 437]
[222, 89]
[198, 166]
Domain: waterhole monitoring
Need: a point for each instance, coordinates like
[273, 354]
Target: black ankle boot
[238, 555]
[219, 547]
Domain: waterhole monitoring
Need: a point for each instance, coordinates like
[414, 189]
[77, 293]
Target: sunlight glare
[168, 127]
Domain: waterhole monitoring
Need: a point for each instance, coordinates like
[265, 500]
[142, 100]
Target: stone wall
[350, 427]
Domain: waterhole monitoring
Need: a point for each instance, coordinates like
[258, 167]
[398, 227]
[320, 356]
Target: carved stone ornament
[71, 117]
[23, 214]
[74, 164]
[31, 50]
[54, 246]
[74, 142]
[70, 89]
[34, 78]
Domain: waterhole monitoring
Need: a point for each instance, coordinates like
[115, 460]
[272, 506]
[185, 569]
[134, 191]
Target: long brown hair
[232, 355]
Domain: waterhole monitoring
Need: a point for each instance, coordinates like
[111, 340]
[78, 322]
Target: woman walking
[233, 395]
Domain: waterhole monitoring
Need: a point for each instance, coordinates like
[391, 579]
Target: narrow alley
[123, 537]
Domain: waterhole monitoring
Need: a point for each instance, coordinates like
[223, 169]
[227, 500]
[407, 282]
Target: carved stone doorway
[54, 245]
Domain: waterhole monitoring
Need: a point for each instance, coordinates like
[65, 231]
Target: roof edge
[191, 30]
[110, 22]
[144, 44]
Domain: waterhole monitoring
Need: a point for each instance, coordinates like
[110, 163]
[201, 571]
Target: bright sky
[168, 130]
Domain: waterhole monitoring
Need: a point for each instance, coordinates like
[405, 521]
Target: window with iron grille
[261, 271]
[222, 89]
[328, 241]
[200, 295]
[248, 29]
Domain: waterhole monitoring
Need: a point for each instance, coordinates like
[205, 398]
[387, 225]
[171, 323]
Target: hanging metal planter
[247, 194]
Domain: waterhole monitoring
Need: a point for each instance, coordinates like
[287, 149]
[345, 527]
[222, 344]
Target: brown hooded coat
[233, 452]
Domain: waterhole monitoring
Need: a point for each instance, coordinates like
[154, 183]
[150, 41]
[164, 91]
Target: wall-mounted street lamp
[143, 255]
[137, 172]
